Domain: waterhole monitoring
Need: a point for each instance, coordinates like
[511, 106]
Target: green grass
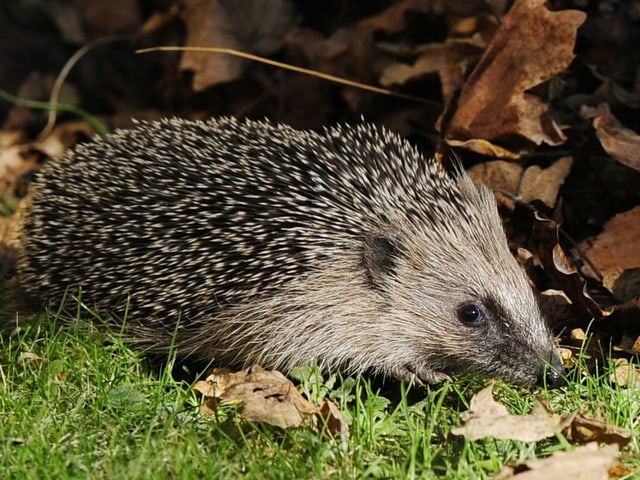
[90, 409]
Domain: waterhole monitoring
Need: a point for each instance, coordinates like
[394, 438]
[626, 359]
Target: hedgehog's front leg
[418, 375]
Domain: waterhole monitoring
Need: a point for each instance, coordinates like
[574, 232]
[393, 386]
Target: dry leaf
[585, 430]
[31, 358]
[532, 45]
[483, 147]
[618, 141]
[625, 320]
[265, 396]
[625, 374]
[584, 463]
[252, 26]
[557, 307]
[18, 162]
[618, 246]
[558, 267]
[498, 175]
[10, 138]
[544, 183]
[534, 183]
[269, 397]
[331, 420]
[112, 17]
[448, 59]
[624, 284]
[488, 418]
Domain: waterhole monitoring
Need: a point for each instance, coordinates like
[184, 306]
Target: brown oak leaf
[531, 46]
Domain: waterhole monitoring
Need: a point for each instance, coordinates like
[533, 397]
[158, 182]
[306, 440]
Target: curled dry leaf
[588, 462]
[269, 397]
[483, 147]
[618, 141]
[331, 420]
[488, 418]
[557, 307]
[531, 46]
[558, 267]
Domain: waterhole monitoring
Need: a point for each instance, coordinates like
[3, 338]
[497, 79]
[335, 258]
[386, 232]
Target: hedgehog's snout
[551, 373]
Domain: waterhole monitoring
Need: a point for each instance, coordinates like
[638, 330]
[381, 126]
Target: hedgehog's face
[476, 315]
[498, 338]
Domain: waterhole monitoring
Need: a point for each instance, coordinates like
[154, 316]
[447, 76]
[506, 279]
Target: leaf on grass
[531, 46]
[618, 141]
[331, 420]
[28, 358]
[269, 397]
[588, 462]
[488, 418]
[586, 430]
[616, 247]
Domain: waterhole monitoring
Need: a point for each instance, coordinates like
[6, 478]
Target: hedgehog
[250, 242]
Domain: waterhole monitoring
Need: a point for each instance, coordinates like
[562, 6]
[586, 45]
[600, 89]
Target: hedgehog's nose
[551, 375]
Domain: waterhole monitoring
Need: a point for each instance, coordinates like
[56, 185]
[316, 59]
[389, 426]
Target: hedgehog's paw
[419, 375]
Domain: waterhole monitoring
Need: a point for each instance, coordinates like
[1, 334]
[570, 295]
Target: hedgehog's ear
[380, 256]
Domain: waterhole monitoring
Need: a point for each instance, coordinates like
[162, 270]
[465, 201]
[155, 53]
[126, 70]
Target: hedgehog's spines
[276, 245]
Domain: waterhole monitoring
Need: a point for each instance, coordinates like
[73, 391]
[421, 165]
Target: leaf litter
[540, 97]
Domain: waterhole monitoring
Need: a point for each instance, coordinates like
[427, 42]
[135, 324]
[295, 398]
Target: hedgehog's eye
[471, 315]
